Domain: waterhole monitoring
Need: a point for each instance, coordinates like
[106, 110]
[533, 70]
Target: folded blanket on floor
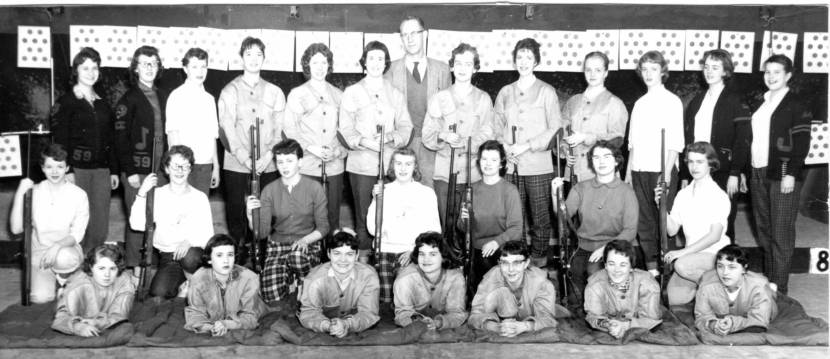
[31, 327]
[162, 325]
[792, 326]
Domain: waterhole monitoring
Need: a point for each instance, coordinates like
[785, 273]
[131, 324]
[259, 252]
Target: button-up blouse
[640, 304]
[311, 118]
[415, 294]
[602, 118]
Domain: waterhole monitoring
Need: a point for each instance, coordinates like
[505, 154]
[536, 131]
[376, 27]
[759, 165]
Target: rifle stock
[255, 220]
[379, 198]
[468, 225]
[449, 214]
[149, 233]
[664, 268]
[564, 232]
[516, 179]
[26, 279]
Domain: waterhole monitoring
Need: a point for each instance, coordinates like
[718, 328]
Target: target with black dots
[819, 144]
[606, 41]
[347, 49]
[181, 40]
[502, 49]
[816, 52]
[441, 44]
[34, 46]
[276, 58]
[777, 43]
[86, 36]
[118, 45]
[159, 38]
[740, 44]
[633, 44]
[10, 159]
[567, 51]
[697, 43]
[215, 42]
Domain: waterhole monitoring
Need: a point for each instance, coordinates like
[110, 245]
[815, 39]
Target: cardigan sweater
[789, 137]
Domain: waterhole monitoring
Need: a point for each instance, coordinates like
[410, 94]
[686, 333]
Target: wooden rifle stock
[379, 198]
[516, 180]
[149, 233]
[468, 225]
[255, 221]
[26, 279]
[566, 276]
[571, 153]
[324, 178]
[664, 268]
[449, 214]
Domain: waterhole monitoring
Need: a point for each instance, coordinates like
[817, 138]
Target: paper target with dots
[503, 42]
[565, 52]
[85, 36]
[181, 40]
[305, 38]
[816, 52]
[234, 42]
[740, 45]
[819, 145]
[441, 44]
[215, 42]
[392, 41]
[278, 54]
[347, 48]
[672, 44]
[34, 46]
[697, 43]
[777, 43]
[157, 37]
[118, 46]
[10, 158]
[633, 44]
[607, 41]
[481, 41]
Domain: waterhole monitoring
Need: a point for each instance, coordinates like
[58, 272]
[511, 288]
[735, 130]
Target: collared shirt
[57, 214]
[658, 109]
[640, 304]
[761, 126]
[191, 112]
[754, 306]
[239, 302]
[608, 211]
[697, 207]
[311, 118]
[288, 216]
[422, 65]
[601, 116]
[473, 117]
[537, 302]
[535, 114]
[342, 284]
[357, 304]
[415, 294]
[240, 104]
[408, 210]
[361, 111]
[84, 299]
[703, 118]
[179, 218]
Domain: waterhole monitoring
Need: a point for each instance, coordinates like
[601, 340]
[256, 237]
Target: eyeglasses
[411, 34]
[148, 65]
[180, 168]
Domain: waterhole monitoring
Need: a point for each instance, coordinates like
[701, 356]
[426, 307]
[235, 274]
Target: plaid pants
[387, 271]
[775, 215]
[534, 192]
[282, 266]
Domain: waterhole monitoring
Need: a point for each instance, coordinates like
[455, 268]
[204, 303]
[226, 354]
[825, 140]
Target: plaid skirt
[283, 266]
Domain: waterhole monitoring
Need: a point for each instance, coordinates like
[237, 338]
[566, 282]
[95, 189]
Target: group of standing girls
[411, 111]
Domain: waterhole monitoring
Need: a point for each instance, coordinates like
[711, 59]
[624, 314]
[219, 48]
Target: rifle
[255, 222]
[449, 223]
[149, 232]
[324, 178]
[27, 248]
[571, 153]
[563, 222]
[468, 230]
[663, 268]
[379, 198]
[516, 179]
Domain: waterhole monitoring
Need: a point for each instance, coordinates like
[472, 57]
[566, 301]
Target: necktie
[415, 73]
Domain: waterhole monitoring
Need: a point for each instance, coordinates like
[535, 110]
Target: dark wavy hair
[390, 171]
[111, 251]
[706, 149]
[657, 58]
[462, 48]
[341, 239]
[148, 51]
[515, 247]
[314, 49]
[376, 45]
[733, 253]
[622, 247]
[436, 240]
[614, 145]
[288, 147]
[528, 44]
[180, 150]
[220, 239]
[780, 59]
[493, 145]
[53, 150]
[86, 53]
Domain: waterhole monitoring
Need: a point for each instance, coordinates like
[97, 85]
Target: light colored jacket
[414, 294]
[601, 119]
[84, 299]
[640, 305]
[357, 304]
[537, 304]
[311, 118]
[754, 306]
[241, 302]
